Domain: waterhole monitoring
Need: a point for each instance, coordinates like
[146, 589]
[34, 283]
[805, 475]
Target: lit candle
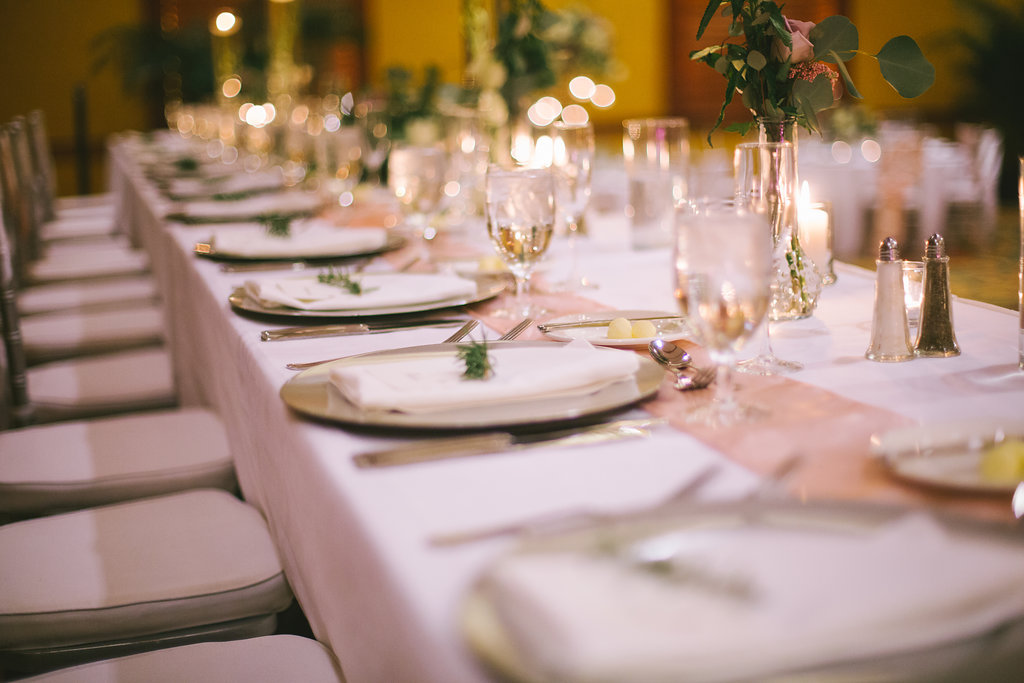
[813, 220]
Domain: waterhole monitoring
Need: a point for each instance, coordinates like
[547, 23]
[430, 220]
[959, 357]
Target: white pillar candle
[813, 221]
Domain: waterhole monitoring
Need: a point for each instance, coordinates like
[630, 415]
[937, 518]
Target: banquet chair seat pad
[86, 248]
[77, 226]
[270, 659]
[103, 263]
[84, 202]
[137, 379]
[65, 334]
[64, 296]
[137, 568]
[64, 466]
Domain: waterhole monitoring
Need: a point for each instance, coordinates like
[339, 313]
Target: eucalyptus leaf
[835, 38]
[846, 77]
[709, 13]
[779, 24]
[756, 60]
[722, 65]
[905, 67]
[704, 52]
[816, 94]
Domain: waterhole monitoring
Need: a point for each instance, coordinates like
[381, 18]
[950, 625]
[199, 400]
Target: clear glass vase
[797, 281]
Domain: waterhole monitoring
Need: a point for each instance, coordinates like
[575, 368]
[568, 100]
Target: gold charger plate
[486, 288]
[393, 242]
[311, 393]
[995, 655]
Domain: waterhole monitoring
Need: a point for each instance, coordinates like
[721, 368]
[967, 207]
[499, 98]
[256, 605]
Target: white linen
[196, 188]
[385, 290]
[429, 384]
[279, 202]
[313, 237]
[817, 598]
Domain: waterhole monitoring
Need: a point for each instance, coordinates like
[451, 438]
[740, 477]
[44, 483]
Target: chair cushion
[75, 226]
[99, 263]
[88, 293]
[85, 202]
[94, 385]
[136, 568]
[70, 465]
[60, 335]
[271, 659]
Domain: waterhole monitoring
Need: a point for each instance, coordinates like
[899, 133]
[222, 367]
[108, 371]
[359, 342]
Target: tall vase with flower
[786, 72]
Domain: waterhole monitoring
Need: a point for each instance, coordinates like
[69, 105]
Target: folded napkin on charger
[307, 238]
[379, 290]
[236, 183]
[817, 598]
[287, 203]
[435, 383]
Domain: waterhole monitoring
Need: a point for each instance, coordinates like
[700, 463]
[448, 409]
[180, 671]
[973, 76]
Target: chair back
[20, 212]
[18, 409]
[44, 168]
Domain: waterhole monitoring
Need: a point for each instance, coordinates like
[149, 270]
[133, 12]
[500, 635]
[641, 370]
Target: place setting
[282, 238]
[283, 205]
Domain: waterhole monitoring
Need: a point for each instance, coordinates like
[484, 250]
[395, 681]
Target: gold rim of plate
[311, 393]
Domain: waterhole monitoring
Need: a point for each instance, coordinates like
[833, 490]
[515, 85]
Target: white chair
[270, 659]
[86, 295]
[47, 469]
[69, 334]
[25, 207]
[133, 380]
[120, 579]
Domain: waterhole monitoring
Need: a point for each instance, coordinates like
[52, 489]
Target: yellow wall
[414, 33]
[45, 52]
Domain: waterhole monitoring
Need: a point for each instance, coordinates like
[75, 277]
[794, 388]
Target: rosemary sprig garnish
[278, 225]
[186, 164]
[341, 279]
[478, 364]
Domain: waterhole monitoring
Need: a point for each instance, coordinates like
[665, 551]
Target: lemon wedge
[1004, 461]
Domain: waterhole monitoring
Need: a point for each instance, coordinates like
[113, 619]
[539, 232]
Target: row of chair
[126, 552]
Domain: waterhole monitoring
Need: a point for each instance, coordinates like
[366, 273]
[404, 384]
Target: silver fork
[517, 330]
[459, 335]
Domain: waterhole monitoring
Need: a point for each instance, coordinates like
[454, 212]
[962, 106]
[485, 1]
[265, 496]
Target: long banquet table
[354, 542]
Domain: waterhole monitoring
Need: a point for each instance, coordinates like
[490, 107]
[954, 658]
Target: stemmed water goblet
[572, 160]
[723, 287]
[416, 176]
[764, 172]
[520, 212]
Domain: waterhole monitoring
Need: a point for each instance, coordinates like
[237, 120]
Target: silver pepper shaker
[890, 333]
[935, 337]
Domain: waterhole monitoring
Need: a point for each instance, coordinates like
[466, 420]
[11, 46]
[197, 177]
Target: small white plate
[946, 456]
[670, 326]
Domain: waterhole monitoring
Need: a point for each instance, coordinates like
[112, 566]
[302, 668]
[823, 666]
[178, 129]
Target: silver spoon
[673, 357]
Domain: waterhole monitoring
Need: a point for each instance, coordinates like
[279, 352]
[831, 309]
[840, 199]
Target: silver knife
[353, 328]
[600, 322]
[502, 442]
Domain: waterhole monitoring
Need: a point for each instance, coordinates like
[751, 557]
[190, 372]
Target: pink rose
[802, 49]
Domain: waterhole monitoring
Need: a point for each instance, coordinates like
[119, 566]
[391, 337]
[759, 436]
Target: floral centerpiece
[786, 68]
[787, 71]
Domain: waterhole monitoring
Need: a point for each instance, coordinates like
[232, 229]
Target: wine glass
[416, 176]
[723, 287]
[572, 160]
[376, 137]
[520, 208]
[762, 170]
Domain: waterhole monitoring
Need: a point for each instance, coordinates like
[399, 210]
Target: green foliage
[277, 225]
[777, 88]
[340, 279]
[478, 364]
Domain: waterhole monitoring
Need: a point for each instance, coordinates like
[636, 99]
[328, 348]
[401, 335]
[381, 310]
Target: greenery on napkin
[340, 279]
[277, 224]
[478, 363]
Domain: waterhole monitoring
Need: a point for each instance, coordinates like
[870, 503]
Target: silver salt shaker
[890, 333]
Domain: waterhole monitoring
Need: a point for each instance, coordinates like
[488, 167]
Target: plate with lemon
[617, 328]
[968, 457]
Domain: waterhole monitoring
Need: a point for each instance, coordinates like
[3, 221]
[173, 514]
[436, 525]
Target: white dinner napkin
[379, 290]
[195, 188]
[434, 383]
[819, 598]
[312, 237]
[290, 202]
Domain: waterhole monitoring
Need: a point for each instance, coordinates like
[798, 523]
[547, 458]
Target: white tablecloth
[354, 542]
